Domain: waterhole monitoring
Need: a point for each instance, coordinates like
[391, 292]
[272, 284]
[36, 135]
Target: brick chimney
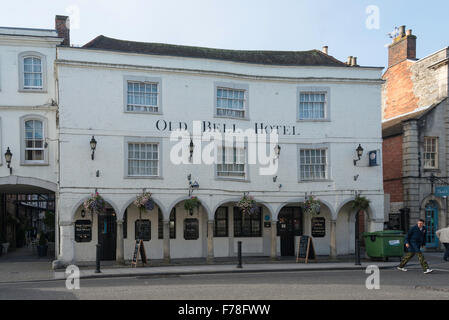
[62, 26]
[402, 48]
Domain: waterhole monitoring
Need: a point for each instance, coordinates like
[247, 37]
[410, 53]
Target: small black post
[239, 252]
[97, 270]
[357, 240]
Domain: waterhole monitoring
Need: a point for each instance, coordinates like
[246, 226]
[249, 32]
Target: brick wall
[392, 168]
[402, 50]
[398, 92]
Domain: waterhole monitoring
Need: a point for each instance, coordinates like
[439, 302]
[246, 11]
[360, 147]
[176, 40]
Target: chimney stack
[326, 50]
[403, 47]
[62, 26]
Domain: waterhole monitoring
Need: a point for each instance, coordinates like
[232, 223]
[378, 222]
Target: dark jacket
[416, 238]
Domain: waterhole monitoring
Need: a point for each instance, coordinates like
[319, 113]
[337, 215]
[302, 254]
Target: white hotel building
[130, 96]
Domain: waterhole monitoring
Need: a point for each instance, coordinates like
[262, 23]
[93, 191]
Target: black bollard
[97, 270]
[239, 253]
[357, 240]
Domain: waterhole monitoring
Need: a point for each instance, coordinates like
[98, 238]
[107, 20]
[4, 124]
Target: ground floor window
[173, 224]
[143, 230]
[221, 222]
[160, 225]
[191, 229]
[248, 226]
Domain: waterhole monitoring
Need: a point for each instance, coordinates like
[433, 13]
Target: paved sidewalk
[33, 269]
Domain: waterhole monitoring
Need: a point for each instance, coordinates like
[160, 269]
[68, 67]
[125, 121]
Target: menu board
[318, 227]
[143, 230]
[139, 248]
[306, 251]
[83, 231]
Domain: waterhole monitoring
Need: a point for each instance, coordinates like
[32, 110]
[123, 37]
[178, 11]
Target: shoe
[428, 271]
[401, 269]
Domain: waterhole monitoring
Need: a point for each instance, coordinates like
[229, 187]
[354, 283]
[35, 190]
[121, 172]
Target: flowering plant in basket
[312, 206]
[144, 201]
[191, 204]
[247, 204]
[95, 203]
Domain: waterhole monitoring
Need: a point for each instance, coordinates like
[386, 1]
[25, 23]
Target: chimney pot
[62, 26]
[349, 60]
[402, 31]
[354, 61]
[409, 32]
[326, 49]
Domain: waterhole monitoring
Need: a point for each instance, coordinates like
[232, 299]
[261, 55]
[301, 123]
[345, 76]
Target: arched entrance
[27, 213]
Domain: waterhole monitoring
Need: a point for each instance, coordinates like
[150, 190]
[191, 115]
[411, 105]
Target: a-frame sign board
[306, 250]
[139, 248]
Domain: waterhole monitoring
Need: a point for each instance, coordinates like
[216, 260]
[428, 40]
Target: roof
[393, 127]
[283, 58]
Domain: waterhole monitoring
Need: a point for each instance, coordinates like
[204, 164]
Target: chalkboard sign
[306, 251]
[139, 248]
[318, 227]
[83, 231]
[143, 230]
[191, 229]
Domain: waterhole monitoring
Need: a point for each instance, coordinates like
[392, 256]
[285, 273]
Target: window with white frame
[231, 162]
[143, 159]
[430, 153]
[313, 164]
[34, 140]
[231, 102]
[143, 97]
[312, 105]
[32, 73]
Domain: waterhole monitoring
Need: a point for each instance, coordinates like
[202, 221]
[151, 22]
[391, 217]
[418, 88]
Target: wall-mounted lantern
[277, 150]
[93, 146]
[8, 157]
[192, 185]
[359, 151]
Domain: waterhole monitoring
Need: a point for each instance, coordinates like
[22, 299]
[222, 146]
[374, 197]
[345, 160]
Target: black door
[289, 226]
[107, 234]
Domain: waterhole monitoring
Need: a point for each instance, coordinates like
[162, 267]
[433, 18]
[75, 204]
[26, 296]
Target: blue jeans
[446, 253]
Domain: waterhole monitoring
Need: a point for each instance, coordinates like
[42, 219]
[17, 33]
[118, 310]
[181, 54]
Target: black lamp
[8, 157]
[359, 151]
[277, 150]
[93, 146]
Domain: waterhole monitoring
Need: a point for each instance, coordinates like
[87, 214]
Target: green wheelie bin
[384, 244]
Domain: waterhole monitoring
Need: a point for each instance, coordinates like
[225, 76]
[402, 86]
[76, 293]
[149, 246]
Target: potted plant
[42, 247]
[360, 203]
[312, 206]
[95, 203]
[191, 204]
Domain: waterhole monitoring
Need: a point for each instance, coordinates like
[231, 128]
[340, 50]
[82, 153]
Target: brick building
[415, 131]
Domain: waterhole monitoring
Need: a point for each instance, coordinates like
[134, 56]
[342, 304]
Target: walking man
[443, 235]
[414, 240]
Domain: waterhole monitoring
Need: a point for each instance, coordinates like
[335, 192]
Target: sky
[349, 27]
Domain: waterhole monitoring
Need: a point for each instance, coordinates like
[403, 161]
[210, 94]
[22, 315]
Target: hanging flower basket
[191, 204]
[360, 203]
[144, 201]
[247, 204]
[312, 206]
[95, 203]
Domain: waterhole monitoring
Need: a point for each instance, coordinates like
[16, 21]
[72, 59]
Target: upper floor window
[143, 95]
[32, 72]
[231, 162]
[313, 164]
[34, 149]
[231, 100]
[430, 153]
[34, 140]
[143, 159]
[313, 104]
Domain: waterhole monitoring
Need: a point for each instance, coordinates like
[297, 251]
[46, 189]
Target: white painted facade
[91, 102]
